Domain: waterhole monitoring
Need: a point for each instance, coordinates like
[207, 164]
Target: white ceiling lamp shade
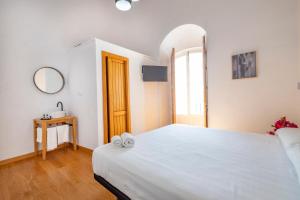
[123, 5]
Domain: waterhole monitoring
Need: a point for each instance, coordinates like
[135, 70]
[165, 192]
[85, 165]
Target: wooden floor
[66, 174]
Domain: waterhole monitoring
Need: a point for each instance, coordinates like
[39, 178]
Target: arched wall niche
[183, 37]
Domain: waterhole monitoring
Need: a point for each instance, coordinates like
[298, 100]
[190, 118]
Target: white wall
[253, 104]
[148, 100]
[240, 26]
[298, 24]
[24, 48]
[83, 92]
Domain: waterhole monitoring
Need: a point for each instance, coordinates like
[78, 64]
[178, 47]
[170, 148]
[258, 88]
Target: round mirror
[49, 80]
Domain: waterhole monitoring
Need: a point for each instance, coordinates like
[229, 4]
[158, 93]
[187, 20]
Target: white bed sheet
[185, 162]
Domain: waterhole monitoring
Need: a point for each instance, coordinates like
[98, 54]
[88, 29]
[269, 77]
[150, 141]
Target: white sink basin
[58, 114]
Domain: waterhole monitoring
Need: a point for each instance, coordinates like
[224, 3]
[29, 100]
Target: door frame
[205, 78]
[106, 55]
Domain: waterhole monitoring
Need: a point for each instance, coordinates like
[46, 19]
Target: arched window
[187, 46]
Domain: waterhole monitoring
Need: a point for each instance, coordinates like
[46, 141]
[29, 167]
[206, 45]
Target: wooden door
[117, 96]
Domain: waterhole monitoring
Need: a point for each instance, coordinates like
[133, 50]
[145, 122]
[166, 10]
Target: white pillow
[294, 155]
[289, 136]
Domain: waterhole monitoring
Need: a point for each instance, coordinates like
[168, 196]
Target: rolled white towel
[117, 141]
[128, 140]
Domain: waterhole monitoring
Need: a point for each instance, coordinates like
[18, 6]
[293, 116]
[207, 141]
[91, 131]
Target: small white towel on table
[51, 137]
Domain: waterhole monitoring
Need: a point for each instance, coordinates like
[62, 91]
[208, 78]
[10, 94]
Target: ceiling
[68, 22]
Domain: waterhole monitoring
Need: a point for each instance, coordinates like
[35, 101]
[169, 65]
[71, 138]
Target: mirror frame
[62, 76]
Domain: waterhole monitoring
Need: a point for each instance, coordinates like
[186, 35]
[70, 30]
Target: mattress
[186, 162]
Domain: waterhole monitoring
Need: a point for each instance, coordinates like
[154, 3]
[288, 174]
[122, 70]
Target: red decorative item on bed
[282, 123]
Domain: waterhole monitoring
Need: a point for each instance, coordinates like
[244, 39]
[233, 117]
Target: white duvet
[184, 162]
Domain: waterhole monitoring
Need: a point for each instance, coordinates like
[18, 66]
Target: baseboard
[31, 155]
[85, 149]
[16, 159]
[81, 148]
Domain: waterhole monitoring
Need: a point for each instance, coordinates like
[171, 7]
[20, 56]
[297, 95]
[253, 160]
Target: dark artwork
[244, 65]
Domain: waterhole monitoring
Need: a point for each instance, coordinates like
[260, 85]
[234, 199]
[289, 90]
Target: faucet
[61, 105]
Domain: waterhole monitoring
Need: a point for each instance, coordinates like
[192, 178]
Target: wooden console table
[72, 120]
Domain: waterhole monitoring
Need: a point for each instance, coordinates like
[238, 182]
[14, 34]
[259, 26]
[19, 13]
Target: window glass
[196, 90]
[181, 85]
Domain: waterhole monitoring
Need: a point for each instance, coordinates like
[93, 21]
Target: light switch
[298, 85]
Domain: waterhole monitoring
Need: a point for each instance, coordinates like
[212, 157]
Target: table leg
[74, 132]
[35, 138]
[44, 140]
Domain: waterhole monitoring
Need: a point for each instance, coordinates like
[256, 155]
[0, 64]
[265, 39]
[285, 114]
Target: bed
[186, 162]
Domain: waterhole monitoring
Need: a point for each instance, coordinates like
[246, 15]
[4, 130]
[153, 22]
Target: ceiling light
[123, 5]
